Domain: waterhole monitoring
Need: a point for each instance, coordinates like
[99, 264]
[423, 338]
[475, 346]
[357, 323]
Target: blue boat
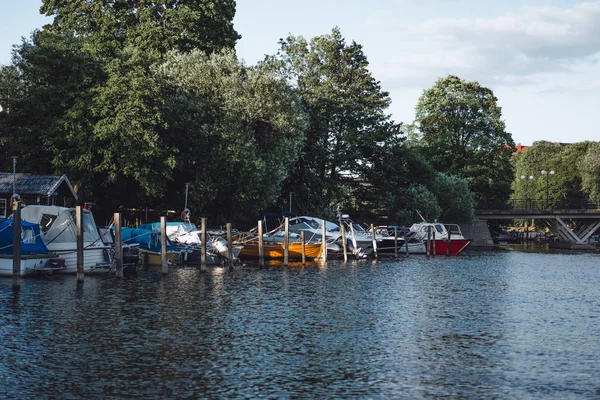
[35, 256]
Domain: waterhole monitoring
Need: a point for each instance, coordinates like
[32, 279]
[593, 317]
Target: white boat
[59, 234]
[34, 258]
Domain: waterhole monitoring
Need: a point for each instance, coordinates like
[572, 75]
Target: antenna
[424, 220]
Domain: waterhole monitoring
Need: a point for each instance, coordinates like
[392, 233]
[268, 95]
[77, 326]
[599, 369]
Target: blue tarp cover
[31, 241]
[146, 238]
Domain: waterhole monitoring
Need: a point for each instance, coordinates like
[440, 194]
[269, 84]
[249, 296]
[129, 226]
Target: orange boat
[275, 250]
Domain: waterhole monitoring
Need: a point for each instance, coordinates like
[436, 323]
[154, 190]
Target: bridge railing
[534, 205]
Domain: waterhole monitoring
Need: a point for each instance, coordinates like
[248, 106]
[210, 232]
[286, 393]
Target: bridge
[572, 225]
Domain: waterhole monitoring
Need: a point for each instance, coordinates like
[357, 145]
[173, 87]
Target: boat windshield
[439, 228]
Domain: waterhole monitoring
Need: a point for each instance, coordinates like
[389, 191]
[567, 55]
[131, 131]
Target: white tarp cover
[58, 223]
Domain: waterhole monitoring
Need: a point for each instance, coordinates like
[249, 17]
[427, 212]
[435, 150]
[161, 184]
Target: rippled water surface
[482, 325]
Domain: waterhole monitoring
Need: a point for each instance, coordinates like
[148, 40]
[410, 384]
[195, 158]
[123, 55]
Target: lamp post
[529, 178]
[546, 174]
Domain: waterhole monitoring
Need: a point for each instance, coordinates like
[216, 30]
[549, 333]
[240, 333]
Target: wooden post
[79, 233]
[229, 244]
[202, 243]
[526, 233]
[396, 242]
[448, 243]
[118, 246]
[286, 241]
[16, 281]
[344, 244]
[428, 246]
[163, 244]
[405, 234]
[324, 240]
[303, 248]
[434, 251]
[374, 240]
[261, 245]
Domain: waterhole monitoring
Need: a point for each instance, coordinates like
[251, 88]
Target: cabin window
[3, 209]
[46, 222]
[439, 228]
[28, 236]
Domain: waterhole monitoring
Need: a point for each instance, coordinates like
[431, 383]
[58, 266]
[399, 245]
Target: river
[506, 324]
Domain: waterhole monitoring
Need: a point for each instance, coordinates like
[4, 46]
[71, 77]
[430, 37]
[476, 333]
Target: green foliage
[348, 125]
[462, 134]
[563, 188]
[454, 197]
[590, 172]
[107, 27]
[240, 130]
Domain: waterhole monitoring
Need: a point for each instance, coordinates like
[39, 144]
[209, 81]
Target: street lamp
[529, 178]
[546, 174]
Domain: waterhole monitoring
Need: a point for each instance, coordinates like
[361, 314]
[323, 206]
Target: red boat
[437, 233]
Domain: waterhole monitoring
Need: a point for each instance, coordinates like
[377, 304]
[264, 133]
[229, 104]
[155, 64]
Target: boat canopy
[31, 240]
[58, 223]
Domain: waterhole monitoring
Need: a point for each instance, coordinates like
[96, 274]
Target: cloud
[523, 47]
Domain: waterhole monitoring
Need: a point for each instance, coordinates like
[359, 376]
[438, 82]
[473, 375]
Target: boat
[35, 257]
[405, 242]
[148, 242]
[186, 237]
[440, 235]
[274, 247]
[59, 234]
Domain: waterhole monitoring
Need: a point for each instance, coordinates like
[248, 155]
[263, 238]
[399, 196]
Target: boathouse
[36, 189]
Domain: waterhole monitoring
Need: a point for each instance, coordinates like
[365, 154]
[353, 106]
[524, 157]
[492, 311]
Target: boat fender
[185, 215]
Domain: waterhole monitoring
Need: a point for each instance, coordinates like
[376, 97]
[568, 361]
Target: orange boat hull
[275, 250]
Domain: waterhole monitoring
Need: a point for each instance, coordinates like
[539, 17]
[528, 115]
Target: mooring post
[428, 247]
[405, 234]
[202, 243]
[118, 246]
[344, 244]
[434, 245]
[324, 240]
[286, 241]
[449, 242]
[163, 244]
[79, 233]
[396, 242]
[303, 248]
[16, 281]
[229, 244]
[374, 240]
[261, 245]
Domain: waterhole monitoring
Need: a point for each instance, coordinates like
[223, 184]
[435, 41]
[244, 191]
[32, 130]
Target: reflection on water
[505, 324]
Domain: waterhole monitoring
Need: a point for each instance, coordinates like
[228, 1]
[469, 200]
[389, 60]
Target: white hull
[95, 260]
[30, 264]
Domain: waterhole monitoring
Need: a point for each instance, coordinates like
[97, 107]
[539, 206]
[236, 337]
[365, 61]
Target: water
[482, 325]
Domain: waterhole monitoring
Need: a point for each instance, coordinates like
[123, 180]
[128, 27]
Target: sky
[539, 57]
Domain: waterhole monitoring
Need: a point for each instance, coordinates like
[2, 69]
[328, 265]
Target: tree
[156, 28]
[456, 201]
[564, 187]
[240, 131]
[590, 172]
[462, 134]
[348, 123]
[93, 107]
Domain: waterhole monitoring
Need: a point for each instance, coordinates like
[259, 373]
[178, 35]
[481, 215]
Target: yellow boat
[275, 250]
[149, 257]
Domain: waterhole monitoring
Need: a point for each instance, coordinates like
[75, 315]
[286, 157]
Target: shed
[36, 189]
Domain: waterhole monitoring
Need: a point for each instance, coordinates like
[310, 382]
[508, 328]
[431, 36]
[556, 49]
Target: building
[36, 189]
